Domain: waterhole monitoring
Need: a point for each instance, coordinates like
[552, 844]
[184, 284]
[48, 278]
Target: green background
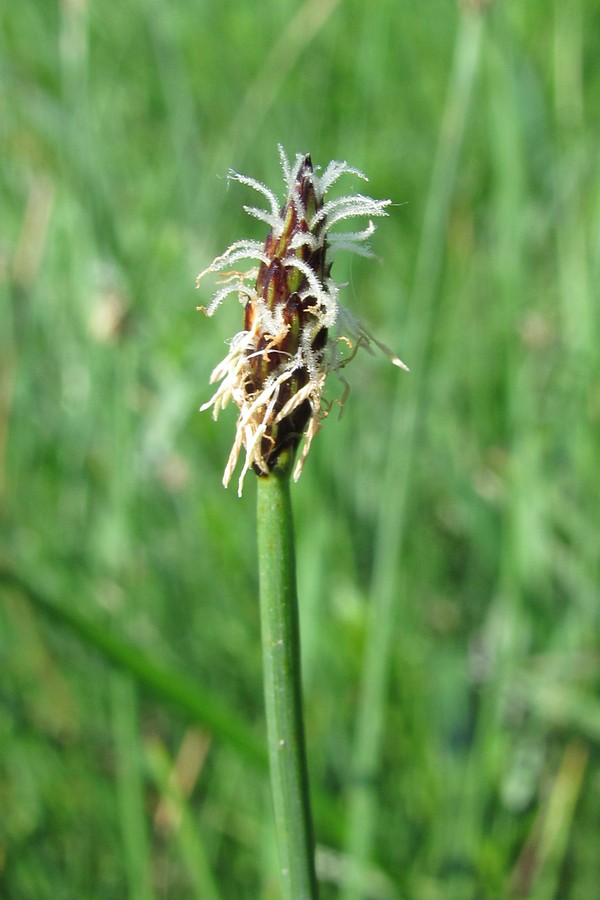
[446, 524]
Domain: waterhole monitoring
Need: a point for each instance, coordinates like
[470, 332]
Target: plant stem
[283, 692]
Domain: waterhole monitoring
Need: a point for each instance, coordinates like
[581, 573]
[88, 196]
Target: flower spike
[276, 367]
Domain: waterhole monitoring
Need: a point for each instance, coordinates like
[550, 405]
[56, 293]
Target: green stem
[283, 693]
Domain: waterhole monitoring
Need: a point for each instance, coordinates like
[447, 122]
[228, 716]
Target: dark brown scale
[278, 284]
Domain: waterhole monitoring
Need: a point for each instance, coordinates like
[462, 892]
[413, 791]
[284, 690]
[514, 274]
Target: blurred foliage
[449, 519]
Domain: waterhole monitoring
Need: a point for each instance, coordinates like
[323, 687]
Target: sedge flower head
[295, 331]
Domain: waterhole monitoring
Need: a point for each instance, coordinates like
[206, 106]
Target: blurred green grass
[447, 525]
